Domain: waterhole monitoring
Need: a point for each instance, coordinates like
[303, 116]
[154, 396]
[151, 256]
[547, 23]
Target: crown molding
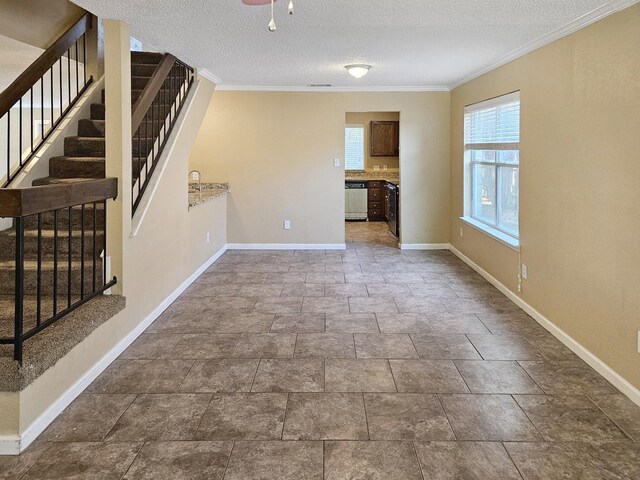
[571, 27]
[206, 74]
[270, 88]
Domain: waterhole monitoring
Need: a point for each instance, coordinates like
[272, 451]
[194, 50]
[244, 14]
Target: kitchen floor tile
[465, 460]
[342, 375]
[488, 418]
[289, 375]
[276, 461]
[325, 416]
[243, 416]
[371, 461]
[427, 376]
[413, 417]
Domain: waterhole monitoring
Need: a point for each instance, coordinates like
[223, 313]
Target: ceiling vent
[320, 85]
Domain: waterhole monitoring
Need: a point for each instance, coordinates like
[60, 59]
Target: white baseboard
[424, 246]
[286, 246]
[13, 445]
[589, 358]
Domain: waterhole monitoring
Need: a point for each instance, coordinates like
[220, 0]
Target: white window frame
[360, 126]
[491, 229]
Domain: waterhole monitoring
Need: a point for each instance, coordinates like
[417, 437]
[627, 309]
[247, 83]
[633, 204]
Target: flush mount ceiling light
[358, 70]
[272, 23]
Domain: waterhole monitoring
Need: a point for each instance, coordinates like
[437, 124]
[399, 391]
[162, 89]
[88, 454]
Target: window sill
[501, 237]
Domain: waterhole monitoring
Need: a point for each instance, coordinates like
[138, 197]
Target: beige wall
[46, 18]
[579, 185]
[276, 150]
[168, 249]
[365, 118]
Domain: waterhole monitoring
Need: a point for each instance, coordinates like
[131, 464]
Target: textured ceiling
[408, 42]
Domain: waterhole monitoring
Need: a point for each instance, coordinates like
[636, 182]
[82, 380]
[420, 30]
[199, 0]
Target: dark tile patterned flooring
[369, 363]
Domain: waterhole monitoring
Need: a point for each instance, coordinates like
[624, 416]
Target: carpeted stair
[83, 159]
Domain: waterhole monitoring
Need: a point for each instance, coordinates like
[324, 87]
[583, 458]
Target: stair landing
[44, 349]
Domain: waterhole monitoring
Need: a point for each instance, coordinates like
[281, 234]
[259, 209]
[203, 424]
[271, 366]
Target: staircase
[84, 154]
[55, 235]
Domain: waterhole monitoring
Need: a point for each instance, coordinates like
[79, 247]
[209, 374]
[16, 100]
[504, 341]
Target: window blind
[494, 124]
[354, 147]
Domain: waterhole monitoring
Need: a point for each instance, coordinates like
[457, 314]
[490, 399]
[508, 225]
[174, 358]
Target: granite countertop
[381, 175]
[209, 192]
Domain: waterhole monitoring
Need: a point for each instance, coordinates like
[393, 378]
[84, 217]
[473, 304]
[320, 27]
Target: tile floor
[369, 363]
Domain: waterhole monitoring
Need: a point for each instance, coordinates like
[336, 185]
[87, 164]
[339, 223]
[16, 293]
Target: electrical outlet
[208, 237]
[461, 231]
[287, 224]
[336, 162]
[525, 272]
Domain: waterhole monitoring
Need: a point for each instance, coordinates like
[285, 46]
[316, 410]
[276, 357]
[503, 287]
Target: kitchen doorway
[372, 178]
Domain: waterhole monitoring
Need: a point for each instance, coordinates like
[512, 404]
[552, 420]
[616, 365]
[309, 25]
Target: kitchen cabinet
[375, 193]
[385, 139]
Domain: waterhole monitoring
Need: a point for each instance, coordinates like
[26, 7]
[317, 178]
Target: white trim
[206, 74]
[494, 233]
[424, 246]
[12, 445]
[287, 246]
[589, 358]
[270, 88]
[571, 27]
[507, 98]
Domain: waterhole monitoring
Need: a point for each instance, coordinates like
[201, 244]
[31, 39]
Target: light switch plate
[336, 162]
[287, 224]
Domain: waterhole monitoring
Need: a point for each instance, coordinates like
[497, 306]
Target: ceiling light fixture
[272, 23]
[358, 70]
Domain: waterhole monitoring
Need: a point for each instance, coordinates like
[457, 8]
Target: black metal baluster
[9, 145]
[19, 290]
[55, 262]
[77, 74]
[139, 159]
[31, 111]
[84, 57]
[165, 99]
[95, 234]
[51, 97]
[20, 138]
[39, 274]
[82, 252]
[70, 258]
[60, 86]
[69, 74]
[104, 263]
[173, 93]
[153, 136]
[146, 148]
[42, 107]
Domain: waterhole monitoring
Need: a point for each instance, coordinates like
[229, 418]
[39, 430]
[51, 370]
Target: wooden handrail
[21, 202]
[21, 85]
[150, 91]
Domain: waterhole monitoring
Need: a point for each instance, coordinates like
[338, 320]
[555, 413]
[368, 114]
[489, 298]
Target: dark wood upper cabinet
[385, 139]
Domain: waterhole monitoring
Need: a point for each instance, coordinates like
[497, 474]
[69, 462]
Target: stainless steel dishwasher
[355, 201]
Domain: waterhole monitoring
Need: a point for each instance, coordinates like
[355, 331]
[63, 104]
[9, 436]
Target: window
[492, 159]
[354, 147]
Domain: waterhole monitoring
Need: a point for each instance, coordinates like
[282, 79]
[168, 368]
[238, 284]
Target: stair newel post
[94, 49]
[119, 142]
[19, 290]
